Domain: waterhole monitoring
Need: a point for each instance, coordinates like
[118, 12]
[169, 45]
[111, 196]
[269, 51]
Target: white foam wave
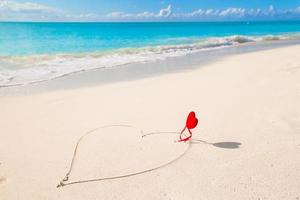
[20, 70]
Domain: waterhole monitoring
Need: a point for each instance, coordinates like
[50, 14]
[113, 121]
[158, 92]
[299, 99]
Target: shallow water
[33, 52]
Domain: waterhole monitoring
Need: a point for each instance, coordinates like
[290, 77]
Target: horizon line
[175, 21]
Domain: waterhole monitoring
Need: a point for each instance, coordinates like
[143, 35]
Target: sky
[148, 10]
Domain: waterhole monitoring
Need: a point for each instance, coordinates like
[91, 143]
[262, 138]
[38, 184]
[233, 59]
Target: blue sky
[154, 10]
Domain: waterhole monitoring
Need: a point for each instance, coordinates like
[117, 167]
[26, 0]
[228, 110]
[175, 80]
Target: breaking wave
[21, 70]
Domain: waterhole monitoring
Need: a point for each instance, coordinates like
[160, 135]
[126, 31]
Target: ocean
[32, 52]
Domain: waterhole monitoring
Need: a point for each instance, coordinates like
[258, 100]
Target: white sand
[252, 99]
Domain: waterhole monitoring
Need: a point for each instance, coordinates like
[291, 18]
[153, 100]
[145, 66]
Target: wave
[22, 70]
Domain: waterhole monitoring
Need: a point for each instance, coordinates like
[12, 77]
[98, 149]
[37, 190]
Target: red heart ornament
[191, 121]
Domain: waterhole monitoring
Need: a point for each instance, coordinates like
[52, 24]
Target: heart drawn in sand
[119, 151]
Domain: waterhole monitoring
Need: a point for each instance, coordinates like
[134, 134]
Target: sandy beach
[249, 117]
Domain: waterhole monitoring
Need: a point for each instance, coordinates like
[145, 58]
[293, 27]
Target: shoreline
[135, 71]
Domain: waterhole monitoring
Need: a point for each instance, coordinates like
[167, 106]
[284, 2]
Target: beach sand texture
[248, 107]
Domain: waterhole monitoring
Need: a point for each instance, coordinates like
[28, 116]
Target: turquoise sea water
[32, 52]
[44, 38]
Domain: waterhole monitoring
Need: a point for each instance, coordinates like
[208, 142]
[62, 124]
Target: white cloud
[145, 14]
[163, 13]
[29, 11]
[120, 15]
[12, 10]
[166, 12]
[24, 7]
[209, 12]
[196, 13]
[237, 12]
[242, 13]
[116, 14]
[254, 12]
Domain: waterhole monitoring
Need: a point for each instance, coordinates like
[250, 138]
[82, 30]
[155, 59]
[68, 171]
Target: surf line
[191, 123]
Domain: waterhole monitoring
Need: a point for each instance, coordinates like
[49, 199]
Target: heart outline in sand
[165, 162]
